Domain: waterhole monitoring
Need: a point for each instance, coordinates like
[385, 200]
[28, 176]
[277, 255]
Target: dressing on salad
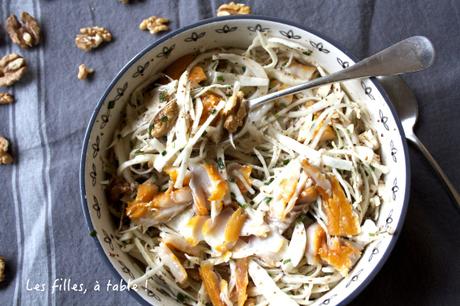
[280, 215]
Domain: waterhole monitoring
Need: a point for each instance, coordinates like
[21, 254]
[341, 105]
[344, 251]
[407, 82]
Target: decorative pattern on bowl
[238, 31]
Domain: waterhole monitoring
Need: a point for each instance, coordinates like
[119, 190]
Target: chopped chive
[164, 119]
[93, 233]
[268, 199]
[205, 133]
[244, 206]
[220, 78]
[213, 111]
[163, 96]
[307, 53]
[220, 163]
[150, 129]
[286, 261]
[286, 161]
[163, 153]
[180, 297]
[269, 181]
[301, 218]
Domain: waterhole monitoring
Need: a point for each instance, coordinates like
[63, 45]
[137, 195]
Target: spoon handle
[448, 184]
[409, 55]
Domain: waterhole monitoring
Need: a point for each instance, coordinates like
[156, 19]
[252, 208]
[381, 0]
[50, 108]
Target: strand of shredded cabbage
[278, 136]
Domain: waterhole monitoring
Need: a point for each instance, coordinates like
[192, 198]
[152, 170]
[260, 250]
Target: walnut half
[12, 68]
[5, 157]
[92, 37]
[27, 34]
[154, 24]
[233, 8]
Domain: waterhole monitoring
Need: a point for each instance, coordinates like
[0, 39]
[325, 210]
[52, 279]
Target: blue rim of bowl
[120, 74]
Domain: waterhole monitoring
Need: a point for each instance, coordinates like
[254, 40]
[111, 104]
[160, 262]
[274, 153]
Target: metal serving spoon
[406, 105]
[409, 55]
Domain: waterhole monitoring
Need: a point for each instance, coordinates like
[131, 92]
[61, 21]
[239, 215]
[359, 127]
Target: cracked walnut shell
[92, 37]
[12, 68]
[233, 8]
[25, 34]
[6, 98]
[154, 24]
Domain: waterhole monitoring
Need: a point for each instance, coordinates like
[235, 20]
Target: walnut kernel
[2, 269]
[5, 157]
[12, 68]
[6, 98]
[164, 121]
[235, 112]
[233, 8]
[154, 24]
[84, 71]
[92, 37]
[27, 34]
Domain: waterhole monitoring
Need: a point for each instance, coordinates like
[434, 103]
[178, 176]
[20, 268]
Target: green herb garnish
[164, 119]
[93, 233]
[269, 181]
[205, 133]
[180, 297]
[163, 96]
[286, 161]
[307, 53]
[286, 261]
[213, 111]
[163, 153]
[268, 199]
[244, 206]
[220, 164]
[220, 78]
[301, 218]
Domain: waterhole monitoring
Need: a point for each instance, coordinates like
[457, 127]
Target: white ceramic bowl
[238, 31]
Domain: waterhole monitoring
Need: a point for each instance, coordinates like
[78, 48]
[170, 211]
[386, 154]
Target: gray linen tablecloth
[43, 233]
